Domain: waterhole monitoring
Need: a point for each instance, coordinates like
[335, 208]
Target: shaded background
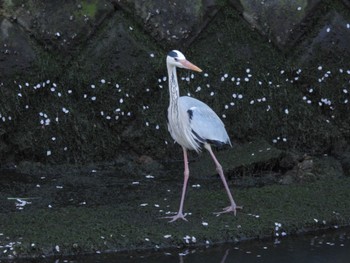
[85, 81]
[86, 161]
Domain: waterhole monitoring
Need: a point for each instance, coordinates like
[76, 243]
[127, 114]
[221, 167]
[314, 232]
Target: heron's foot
[176, 217]
[232, 208]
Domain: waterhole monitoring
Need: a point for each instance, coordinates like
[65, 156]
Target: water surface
[330, 246]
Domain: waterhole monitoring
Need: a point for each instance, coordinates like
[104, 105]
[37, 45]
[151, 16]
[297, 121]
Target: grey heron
[193, 125]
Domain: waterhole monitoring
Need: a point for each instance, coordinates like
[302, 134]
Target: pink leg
[180, 214]
[233, 206]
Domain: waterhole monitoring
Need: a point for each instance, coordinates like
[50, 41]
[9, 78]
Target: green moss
[8, 4]
[89, 8]
[124, 225]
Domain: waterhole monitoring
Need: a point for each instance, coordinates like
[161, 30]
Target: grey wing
[204, 122]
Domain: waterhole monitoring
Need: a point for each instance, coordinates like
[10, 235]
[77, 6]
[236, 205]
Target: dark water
[331, 246]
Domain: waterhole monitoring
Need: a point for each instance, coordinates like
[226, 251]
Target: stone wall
[85, 81]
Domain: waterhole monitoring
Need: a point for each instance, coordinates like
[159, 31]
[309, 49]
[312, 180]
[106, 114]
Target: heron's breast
[180, 130]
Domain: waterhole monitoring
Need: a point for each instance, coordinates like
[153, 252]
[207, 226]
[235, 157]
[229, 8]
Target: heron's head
[177, 59]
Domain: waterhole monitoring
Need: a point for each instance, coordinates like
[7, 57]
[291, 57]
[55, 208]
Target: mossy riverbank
[97, 212]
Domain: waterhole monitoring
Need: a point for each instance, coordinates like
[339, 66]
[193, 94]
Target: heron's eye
[176, 59]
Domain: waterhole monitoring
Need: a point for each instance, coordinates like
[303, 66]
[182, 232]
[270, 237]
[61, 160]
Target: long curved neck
[173, 86]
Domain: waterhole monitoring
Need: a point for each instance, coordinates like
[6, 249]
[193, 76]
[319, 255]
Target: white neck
[173, 85]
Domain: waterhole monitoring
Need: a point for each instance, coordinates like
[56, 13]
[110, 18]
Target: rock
[341, 151]
[345, 162]
[328, 167]
[144, 159]
[310, 169]
[61, 25]
[171, 23]
[289, 160]
[331, 39]
[32, 28]
[306, 165]
[277, 20]
[288, 177]
[16, 51]
[247, 158]
[117, 53]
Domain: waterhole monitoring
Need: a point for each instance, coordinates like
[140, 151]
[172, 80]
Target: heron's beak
[190, 66]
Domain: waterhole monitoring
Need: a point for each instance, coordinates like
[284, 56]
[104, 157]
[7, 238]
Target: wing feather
[204, 122]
